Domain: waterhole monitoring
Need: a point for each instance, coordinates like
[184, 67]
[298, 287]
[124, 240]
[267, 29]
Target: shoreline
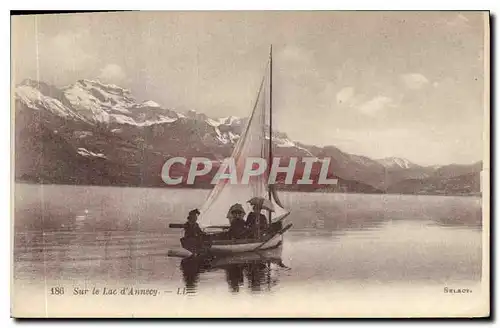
[319, 191]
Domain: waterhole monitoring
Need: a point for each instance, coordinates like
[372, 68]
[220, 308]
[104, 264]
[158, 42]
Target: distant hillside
[467, 184]
[95, 133]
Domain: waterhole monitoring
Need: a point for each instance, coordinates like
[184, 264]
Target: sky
[378, 84]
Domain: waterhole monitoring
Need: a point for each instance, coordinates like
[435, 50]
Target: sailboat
[256, 140]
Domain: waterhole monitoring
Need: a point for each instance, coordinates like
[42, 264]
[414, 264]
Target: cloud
[112, 73]
[430, 145]
[66, 51]
[375, 105]
[344, 96]
[414, 81]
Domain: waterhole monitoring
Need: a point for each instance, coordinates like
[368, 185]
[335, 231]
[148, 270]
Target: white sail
[252, 143]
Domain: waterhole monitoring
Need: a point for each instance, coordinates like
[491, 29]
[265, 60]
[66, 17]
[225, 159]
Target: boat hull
[233, 248]
[267, 255]
[215, 245]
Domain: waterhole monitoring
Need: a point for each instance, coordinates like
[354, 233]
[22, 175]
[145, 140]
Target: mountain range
[95, 133]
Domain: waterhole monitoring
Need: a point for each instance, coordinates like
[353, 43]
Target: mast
[270, 157]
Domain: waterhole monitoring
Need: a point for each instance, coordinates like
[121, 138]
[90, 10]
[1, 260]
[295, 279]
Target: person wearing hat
[191, 227]
[256, 221]
[194, 238]
[237, 227]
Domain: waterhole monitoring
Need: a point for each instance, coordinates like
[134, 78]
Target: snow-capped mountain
[95, 133]
[97, 103]
[93, 102]
[396, 162]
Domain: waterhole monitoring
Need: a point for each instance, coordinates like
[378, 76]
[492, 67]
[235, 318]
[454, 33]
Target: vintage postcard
[251, 164]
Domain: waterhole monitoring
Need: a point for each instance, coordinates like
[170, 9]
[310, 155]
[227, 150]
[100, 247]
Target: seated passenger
[237, 227]
[191, 227]
[256, 222]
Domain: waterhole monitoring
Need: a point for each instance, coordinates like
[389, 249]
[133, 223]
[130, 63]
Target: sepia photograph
[250, 164]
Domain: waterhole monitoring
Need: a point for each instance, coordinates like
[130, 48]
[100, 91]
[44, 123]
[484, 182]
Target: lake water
[351, 244]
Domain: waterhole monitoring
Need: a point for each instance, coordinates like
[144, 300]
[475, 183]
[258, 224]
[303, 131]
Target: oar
[181, 226]
[282, 231]
[218, 227]
[179, 253]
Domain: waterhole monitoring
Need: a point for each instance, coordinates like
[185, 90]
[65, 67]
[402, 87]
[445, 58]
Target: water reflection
[234, 276]
[113, 234]
[258, 271]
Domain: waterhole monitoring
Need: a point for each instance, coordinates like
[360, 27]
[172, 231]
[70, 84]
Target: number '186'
[57, 291]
